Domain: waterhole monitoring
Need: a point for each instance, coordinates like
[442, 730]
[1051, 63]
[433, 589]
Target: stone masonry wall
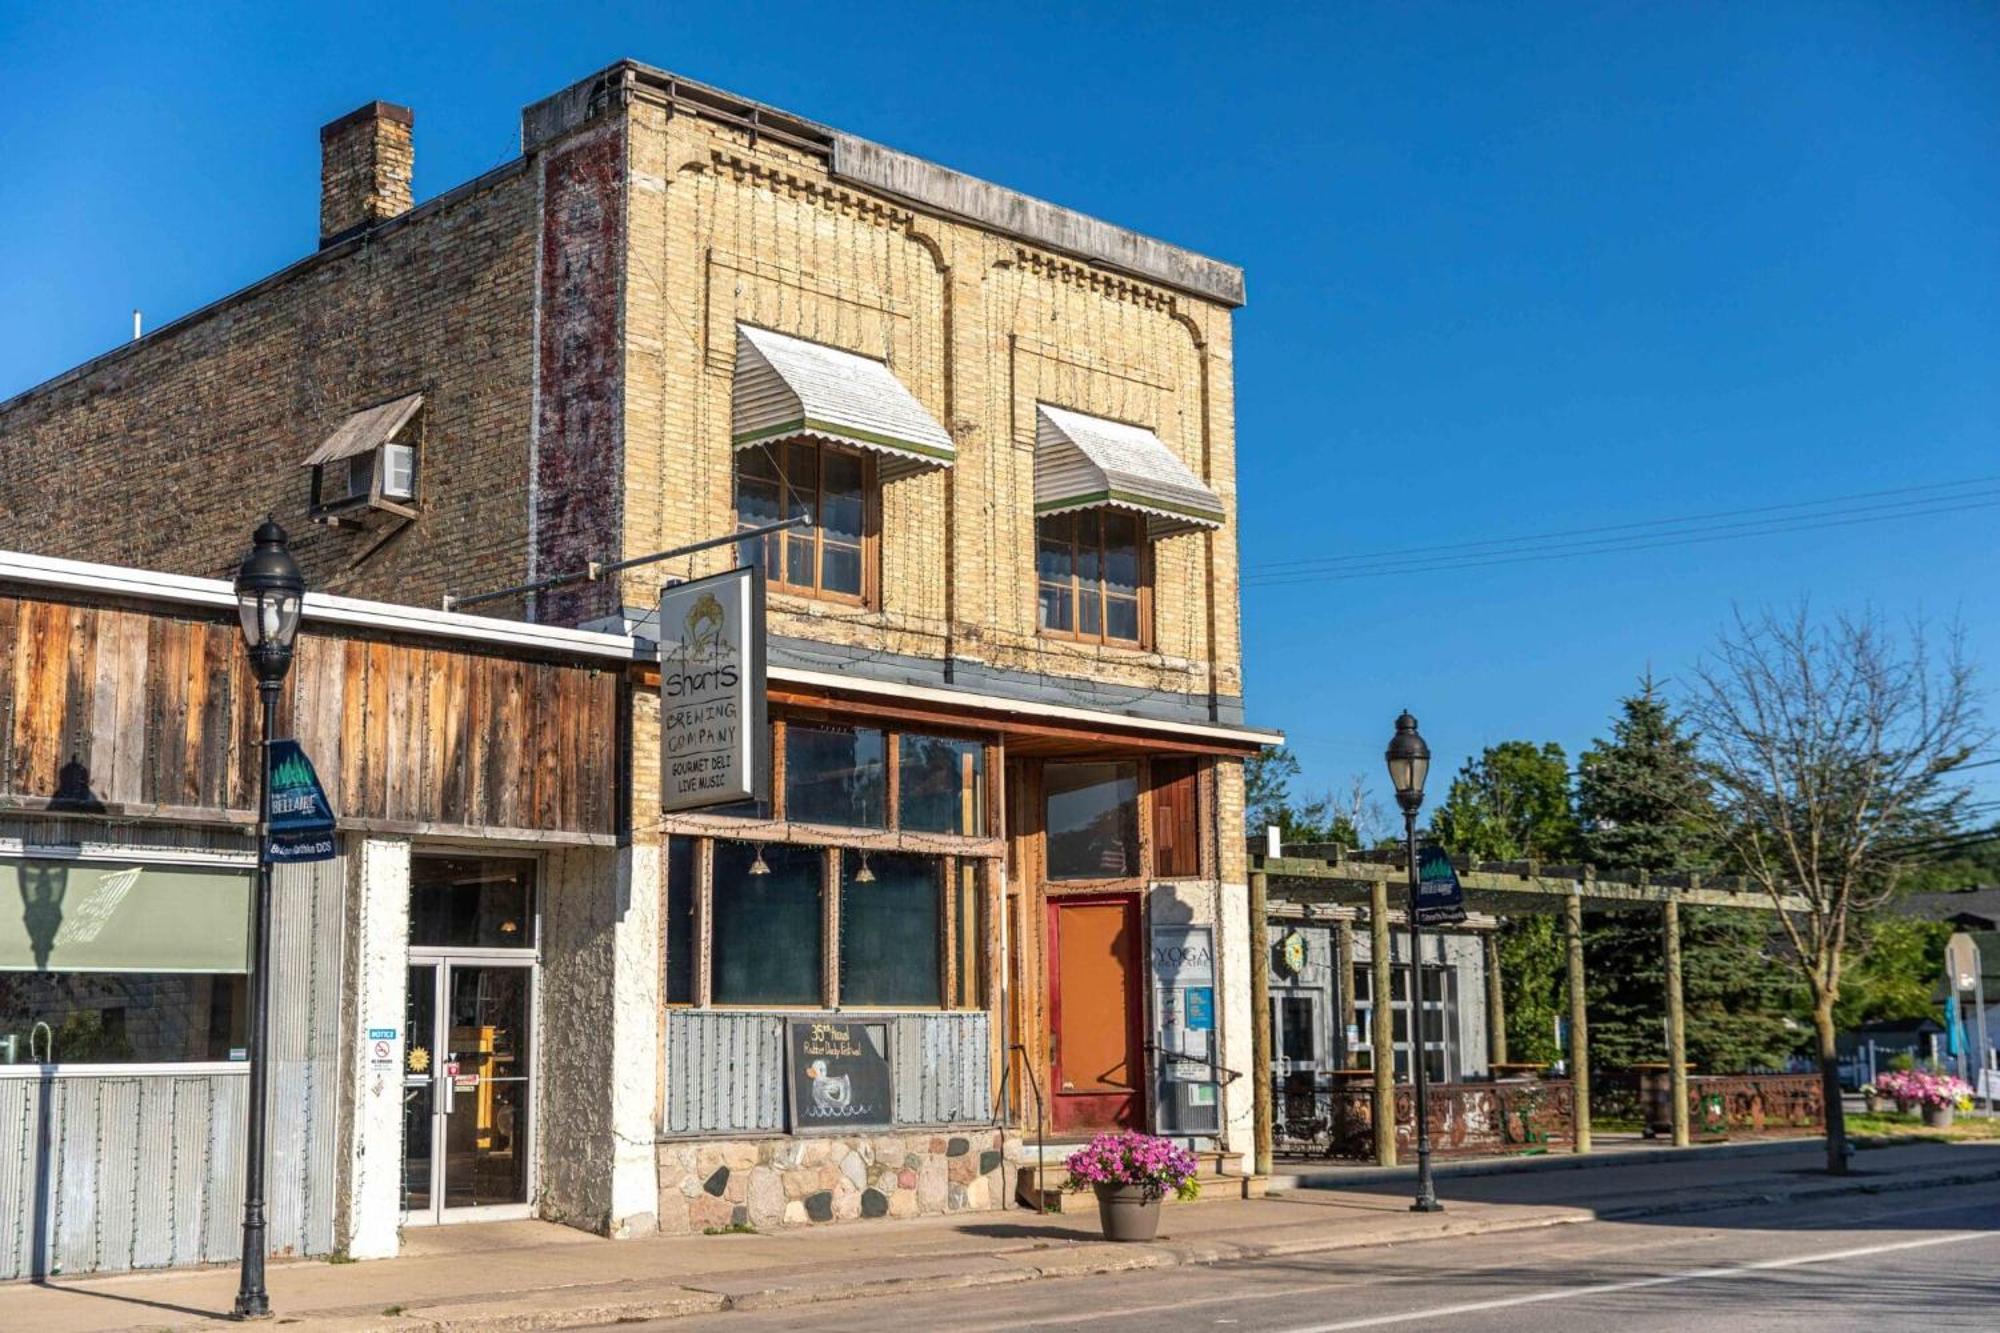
[164, 453]
[787, 1182]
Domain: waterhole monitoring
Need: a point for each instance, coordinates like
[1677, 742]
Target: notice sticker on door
[464, 1082]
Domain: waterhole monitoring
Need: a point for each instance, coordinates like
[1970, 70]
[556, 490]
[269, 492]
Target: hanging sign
[1440, 899]
[301, 816]
[714, 744]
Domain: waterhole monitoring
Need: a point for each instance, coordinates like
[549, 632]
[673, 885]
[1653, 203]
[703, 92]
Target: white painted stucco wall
[368, 1218]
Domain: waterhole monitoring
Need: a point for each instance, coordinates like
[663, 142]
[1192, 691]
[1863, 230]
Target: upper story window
[817, 431]
[369, 463]
[1093, 577]
[834, 488]
[1106, 491]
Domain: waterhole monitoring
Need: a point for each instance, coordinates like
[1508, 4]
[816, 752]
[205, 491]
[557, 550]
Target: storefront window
[1092, 820]
[891, 930]
[941, 784]
[766, 941]
[472, 902]
[836, 775]
[116, 963]
[680, 920]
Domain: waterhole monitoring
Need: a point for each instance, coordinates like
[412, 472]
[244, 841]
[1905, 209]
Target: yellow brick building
[1005, 825]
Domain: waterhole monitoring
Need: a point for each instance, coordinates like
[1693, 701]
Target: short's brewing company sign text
[714, 744]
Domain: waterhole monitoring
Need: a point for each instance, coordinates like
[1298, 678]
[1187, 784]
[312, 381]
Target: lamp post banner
[301, 816]
[714, 745]
[1440, 897]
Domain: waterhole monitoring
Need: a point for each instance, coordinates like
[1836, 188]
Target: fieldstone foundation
[707, 1184]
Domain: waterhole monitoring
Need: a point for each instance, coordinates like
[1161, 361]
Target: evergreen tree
[1644, 805]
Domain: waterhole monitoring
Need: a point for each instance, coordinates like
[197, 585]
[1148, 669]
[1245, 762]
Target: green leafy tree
[1268, 799]
[1644, 805]
[1512, 803]
[1895, 971]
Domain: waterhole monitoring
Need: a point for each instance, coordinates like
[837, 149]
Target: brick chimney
[364, 171]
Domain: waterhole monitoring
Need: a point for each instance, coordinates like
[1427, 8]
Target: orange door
[1096, 1064]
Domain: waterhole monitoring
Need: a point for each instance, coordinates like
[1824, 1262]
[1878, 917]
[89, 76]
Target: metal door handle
[446, 1095]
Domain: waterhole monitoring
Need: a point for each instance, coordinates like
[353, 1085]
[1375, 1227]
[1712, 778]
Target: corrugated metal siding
[942, 1074]
[726, 1070]
[145, 1170]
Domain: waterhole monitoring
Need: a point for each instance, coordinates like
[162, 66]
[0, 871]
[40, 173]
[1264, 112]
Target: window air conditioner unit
[399, 472]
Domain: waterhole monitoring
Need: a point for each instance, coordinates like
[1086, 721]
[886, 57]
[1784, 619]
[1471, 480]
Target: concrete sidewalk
[533, 1276]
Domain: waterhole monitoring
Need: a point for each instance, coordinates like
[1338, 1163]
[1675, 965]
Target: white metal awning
[1086, 462]
[787, 387]
[370, 428]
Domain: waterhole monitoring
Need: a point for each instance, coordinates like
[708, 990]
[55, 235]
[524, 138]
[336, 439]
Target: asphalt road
[1889, 1262]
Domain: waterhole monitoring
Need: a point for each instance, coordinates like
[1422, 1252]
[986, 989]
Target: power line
[1533, 557]
[1371, 557]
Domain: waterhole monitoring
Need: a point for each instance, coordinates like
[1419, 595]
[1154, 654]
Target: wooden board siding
[114, 712]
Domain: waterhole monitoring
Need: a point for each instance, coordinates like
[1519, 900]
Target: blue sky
[1513, 270]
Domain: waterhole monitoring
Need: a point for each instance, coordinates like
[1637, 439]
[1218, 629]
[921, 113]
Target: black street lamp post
[269, 593]
[1409, 763]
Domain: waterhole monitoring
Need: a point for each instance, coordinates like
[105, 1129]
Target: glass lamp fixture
[270, 594]
[1409, 762]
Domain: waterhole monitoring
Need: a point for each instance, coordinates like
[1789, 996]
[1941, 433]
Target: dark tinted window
[890, 930]
[767, 943]
[680, 920]
[836, 775]
[472, 902]
[1093, 820]
[941, 784]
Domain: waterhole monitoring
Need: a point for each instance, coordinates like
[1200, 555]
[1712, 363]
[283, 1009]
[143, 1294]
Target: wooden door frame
[1133, 900]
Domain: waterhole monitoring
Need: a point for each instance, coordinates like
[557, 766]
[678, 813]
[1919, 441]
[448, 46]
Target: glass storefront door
[467, 1096]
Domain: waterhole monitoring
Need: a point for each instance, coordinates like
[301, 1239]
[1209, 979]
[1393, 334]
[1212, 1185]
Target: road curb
[1367, 1178]
[573, 1307]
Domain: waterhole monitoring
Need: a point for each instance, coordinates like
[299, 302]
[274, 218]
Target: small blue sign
[1440, 898]
[381, 1034]
[301, 816]
[1200, 1010]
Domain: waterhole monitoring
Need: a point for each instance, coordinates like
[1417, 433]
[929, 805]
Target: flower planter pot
[1874, 1104]
[1128, 1212]
[1938, 1117]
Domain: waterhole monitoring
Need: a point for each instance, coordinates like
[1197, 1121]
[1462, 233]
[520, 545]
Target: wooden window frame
[1103, 637]
[952, 930]
[778, 451]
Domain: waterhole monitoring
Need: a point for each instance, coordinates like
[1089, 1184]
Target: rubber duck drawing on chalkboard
[830, 1095]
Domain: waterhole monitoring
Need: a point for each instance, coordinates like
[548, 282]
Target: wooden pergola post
[1496, 1001]
[1579, 1029]
[1382, 1021]
[1260, 1024]
[1343, 931]
[1677, 1074]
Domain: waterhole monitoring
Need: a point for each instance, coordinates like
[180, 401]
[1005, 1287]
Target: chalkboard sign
[839, 1074]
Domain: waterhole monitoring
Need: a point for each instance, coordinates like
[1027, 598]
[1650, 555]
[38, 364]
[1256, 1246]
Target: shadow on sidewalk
[201, 1312]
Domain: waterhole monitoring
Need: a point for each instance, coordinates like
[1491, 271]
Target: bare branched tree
[1832, 748]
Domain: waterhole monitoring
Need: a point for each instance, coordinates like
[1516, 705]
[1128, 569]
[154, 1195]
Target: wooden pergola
[1373, 881]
